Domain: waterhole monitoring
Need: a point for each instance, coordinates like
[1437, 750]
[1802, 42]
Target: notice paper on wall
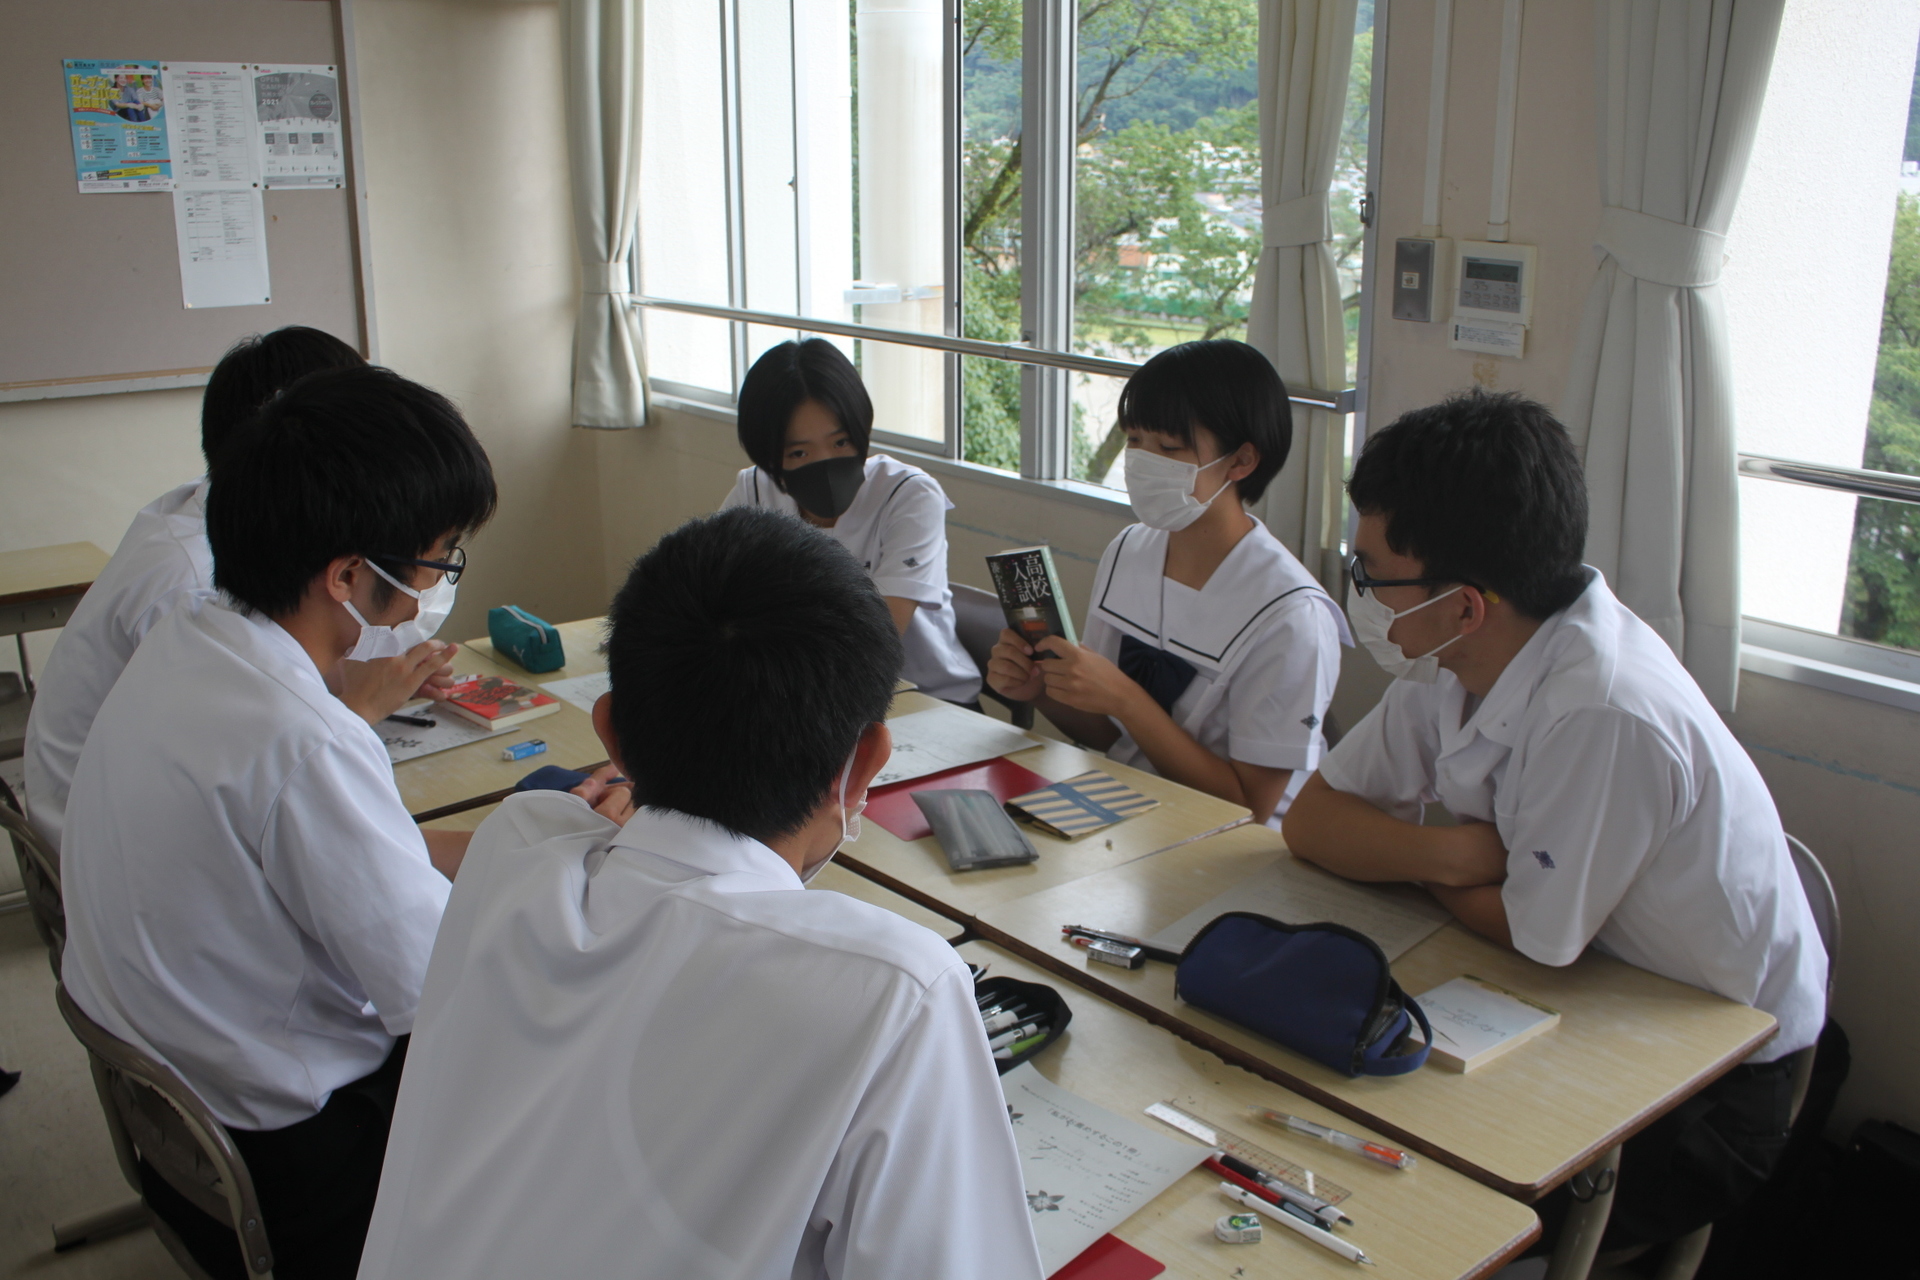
[116, 112]
[1085, 1169]
[222, 237]
[1397, 916]
[211, 126]
[296, 125]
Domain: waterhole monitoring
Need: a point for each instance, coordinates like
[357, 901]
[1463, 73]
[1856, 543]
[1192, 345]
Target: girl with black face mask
[804, 419]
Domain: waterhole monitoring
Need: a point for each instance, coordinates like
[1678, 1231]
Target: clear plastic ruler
[1258, 1156]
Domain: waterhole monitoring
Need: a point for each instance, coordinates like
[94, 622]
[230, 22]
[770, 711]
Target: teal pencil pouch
[518, 635]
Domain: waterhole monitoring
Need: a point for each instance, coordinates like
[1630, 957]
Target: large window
[1822, 288]
[1077, 179]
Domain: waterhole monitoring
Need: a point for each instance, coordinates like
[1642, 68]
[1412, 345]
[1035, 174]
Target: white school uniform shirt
[648, 1051]
[1263, 637]
[1632, 818]
[162, 559]
[246, 897]
[897, 529]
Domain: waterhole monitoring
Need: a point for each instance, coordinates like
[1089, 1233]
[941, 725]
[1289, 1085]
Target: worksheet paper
[1397, 916]
[946, 737]
[410, 742]
[581, 691]
[222, 238]
[210, 126]
[1085, 1169]
[295, 119]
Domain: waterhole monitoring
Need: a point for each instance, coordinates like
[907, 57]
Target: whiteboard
[93, 298]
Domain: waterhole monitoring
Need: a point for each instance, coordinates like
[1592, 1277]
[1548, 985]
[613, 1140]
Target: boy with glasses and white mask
[1210, 652]
[247, 898]
[1601, 800]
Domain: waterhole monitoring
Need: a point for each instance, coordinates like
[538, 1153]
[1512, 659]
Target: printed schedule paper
[1086, 1169]
[222, 238]
[1397, 916]
[210, 126]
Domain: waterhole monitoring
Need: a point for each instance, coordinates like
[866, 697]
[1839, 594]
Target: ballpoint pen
[1313, 1204]
[1345, 1141]
[1288, 1215]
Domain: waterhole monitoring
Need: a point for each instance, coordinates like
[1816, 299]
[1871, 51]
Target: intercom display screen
[1490, 286]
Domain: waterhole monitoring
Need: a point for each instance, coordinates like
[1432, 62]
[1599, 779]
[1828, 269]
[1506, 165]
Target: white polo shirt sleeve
[1281, 690]
[741, 495]
[1389, 758]
[910, 556]
[1596, 797]
[931, 1130]
[350, 866]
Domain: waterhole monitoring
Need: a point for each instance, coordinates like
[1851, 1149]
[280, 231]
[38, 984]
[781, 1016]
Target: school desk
[1428, 1221]
[1630, 1044]
[39, 588]
[832, 876]
[918, 869]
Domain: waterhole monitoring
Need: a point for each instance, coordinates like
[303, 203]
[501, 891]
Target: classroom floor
[55, 1160]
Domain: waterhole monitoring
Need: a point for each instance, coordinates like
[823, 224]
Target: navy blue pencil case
[1322, 990]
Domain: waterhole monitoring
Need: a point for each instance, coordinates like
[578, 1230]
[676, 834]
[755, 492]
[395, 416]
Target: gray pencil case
[973, 829]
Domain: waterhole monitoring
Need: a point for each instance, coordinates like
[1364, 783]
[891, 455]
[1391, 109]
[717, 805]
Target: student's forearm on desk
[1480, 908]
[1084, 727]
[1349, 837]
[1179, 757]
[446, 849]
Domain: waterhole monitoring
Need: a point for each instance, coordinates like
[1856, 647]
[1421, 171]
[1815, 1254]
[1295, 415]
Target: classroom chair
[1681, 1258]
[978, 620]
[39, 876]
[152, 1114]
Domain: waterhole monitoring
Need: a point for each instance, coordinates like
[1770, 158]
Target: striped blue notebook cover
[1080, 806]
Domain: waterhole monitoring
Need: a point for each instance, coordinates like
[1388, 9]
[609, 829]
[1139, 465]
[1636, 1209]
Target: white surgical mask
[849, 823]
[1371, 622]
[1161, 489]
[436, 602]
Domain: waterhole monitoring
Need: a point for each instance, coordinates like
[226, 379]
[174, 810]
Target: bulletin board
[92, 298]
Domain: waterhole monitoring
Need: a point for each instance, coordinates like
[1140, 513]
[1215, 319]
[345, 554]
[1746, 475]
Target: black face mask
[826, 489]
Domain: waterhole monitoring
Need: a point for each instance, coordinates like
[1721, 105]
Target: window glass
[1824, 338]
[990, 184]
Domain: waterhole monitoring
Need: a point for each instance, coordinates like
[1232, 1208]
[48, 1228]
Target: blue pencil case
[1322, 990]
[528, 640]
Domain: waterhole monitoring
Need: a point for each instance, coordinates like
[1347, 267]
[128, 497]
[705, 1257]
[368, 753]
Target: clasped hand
[377, 689]
[1068, 673]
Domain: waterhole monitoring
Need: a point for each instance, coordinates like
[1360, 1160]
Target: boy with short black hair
[162, 559]
[246, 896]
[643, 1049]
[1601, 800]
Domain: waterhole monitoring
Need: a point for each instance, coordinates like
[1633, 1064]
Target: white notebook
[1475, 1022]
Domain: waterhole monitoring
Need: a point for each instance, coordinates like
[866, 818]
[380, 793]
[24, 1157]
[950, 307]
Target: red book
[496, 702]
[1111, 1258]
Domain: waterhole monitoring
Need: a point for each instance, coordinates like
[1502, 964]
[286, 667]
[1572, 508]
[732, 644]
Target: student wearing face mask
[1601, 800]
[247, 899]
[1210, 652]
[804, 417]
[162, 561]
[643, 1048]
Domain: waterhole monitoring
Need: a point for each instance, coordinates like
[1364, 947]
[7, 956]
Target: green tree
[1883, 572]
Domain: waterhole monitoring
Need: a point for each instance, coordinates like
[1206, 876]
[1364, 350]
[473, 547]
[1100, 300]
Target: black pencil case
[1043, 1002]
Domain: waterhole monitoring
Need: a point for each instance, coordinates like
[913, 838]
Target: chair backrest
[153, 1114]
[39, 876]
[1820, 896]
[978, 621]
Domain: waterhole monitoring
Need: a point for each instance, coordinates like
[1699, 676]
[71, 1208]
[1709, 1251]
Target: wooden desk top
[918, 869]
[44, 573]
[475, 775]
[1630, 1044]
[833, 876]
[1427, 1221]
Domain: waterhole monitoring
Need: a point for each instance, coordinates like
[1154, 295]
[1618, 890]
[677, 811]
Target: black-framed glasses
[453, 566]
[1363, 584]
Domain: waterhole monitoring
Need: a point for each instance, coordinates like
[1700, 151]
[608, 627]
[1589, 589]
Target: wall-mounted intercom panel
[1493, 288]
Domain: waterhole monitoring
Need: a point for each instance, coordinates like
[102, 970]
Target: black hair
[257, 368]
[1483, 488]
[1225, 386]
[785, 377]
[343, 462]
[747, 653]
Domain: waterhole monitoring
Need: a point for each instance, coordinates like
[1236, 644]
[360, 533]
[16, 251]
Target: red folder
[893, 807]
[1110, 1258]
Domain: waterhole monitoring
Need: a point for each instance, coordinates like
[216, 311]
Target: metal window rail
[1819, 475]
[1331, 401]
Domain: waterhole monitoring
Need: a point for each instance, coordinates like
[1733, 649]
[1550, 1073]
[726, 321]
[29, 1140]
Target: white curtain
[603, 153]
[1306, 51]
[1680, 88]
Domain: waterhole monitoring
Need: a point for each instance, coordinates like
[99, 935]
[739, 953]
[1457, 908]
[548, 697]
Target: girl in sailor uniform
[804, 418]
[1210, 653]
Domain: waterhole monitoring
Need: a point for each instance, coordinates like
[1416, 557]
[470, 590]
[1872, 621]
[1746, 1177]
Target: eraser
[521, 750]
[1238, 1228]
[1116, 954]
